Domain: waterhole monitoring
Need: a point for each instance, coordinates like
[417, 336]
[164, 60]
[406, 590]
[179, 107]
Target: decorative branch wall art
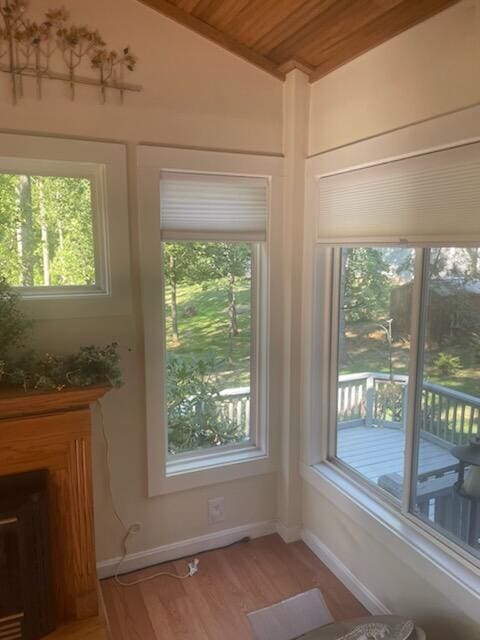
[57, 50]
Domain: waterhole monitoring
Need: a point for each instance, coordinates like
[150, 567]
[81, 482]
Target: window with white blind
[213, 230]
[205, 231]
[402, 244]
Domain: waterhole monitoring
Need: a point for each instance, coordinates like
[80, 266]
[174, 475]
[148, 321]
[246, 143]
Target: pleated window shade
[432, 198]
[212, 206]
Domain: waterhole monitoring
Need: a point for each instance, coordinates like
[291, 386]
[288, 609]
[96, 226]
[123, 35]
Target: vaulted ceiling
[314, 35]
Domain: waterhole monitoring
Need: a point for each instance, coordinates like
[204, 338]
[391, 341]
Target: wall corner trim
[336, 566]
[289, 534]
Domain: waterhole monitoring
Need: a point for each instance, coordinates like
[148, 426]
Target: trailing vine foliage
[90, 365]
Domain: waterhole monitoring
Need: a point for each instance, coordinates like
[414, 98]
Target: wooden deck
[376, 451]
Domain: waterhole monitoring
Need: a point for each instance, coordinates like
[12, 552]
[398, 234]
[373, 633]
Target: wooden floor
[230, 583]
[378, 451]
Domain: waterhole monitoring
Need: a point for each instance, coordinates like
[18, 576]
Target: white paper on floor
[290, 618]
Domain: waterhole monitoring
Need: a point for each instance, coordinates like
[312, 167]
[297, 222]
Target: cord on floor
[192, 566]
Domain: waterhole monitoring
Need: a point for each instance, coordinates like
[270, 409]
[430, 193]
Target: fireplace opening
[26, 586]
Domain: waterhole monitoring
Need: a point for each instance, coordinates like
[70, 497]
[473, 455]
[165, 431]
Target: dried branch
[75, 43]
[111, 66]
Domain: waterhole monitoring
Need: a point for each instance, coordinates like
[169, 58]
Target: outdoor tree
[231, 261]
[198, 263]
[184, 262]
[46, 231]
[10, 264]
[366, 287]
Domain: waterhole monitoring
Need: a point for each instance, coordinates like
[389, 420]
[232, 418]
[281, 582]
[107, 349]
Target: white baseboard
[167, 552]
[289, 534]
[336, 566]
[191, 546]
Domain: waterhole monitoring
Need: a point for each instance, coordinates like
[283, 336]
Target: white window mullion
[333, 373]
[415, 373]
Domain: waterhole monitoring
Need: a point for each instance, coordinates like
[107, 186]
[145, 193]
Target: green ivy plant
[90, 365]
[14, 326]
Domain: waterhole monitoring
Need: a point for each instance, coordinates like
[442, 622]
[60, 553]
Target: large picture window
[407, 381]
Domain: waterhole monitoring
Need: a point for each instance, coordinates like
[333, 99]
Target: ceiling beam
[225, 41]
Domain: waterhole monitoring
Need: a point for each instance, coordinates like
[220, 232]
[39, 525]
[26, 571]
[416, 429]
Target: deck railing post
[370, 402]
[404, 404]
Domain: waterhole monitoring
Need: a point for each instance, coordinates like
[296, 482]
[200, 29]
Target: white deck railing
[448, 417]
[235, 405]
[376, 399]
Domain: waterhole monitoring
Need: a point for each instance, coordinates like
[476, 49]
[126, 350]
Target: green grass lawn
[203, 329]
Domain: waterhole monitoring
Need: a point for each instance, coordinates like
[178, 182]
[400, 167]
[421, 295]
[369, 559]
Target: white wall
[195, 94]
[430, 70]
[399, 586]
[426, 71]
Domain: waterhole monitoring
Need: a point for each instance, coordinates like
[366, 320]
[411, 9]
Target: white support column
[295, 132]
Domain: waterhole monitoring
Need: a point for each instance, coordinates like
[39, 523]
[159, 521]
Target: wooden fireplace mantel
[52, 430]
[15, 402]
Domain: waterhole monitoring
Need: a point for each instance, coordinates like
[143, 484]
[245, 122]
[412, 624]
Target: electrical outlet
[135, 528]
[216, 510]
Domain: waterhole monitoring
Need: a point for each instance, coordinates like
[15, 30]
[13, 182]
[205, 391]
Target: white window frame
[416, 356]
[415, 541]
[104, 165]
[165, 474]
[191, 460]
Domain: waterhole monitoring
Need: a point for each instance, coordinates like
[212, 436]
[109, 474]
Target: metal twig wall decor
[55, 49]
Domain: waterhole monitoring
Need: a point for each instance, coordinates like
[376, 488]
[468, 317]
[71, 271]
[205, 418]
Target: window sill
[451, 574]
[201, 471]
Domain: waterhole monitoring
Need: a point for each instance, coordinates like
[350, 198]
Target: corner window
[406, 393]
[52, 227]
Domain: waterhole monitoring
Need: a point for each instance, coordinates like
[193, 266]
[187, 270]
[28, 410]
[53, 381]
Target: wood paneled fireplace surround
[50, 434]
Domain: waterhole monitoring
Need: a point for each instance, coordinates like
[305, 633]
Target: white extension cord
[192, 567]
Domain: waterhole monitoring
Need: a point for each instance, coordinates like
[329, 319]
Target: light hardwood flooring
[230, 583]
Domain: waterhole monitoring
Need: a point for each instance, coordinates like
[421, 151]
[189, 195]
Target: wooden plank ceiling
[314, 35]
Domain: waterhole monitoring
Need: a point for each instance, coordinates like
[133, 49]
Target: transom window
[406, 392]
